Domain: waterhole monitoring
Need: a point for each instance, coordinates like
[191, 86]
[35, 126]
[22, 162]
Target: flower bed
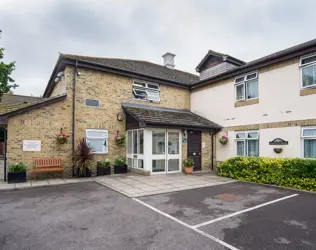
[287, 172]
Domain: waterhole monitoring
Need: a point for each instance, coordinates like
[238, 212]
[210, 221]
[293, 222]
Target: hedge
[287, 172]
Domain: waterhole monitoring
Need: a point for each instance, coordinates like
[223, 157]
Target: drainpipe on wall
[5, 155]
[73, 113]
[212, 151]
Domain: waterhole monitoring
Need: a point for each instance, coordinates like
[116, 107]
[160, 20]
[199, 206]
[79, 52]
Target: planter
[103, 170]
[16, 177]
[120, 169]
[61, 141]
[188, 170]
[223, 142]
[87, 174]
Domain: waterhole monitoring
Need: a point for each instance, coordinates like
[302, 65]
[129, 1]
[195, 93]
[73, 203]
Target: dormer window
[308, 71]
[146, 91]
[246, 87]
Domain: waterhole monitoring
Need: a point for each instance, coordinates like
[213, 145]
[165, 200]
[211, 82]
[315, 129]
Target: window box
[120, 169]
[16, 177]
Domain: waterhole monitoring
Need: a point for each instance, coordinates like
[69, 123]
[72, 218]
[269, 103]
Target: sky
[35, 31]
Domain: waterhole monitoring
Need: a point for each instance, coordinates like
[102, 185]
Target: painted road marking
[242, 211]
[187, 225]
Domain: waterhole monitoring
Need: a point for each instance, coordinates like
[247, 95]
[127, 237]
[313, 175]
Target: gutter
[212, 151]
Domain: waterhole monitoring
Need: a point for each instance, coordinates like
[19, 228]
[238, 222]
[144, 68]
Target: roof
[139, 67]
[177, 118]
[297, 50]
[225, 57]
[13, 104]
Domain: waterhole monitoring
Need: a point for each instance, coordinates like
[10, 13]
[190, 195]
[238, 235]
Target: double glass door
[166, 156]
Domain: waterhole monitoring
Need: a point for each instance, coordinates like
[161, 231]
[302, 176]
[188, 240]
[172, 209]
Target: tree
[6, 82]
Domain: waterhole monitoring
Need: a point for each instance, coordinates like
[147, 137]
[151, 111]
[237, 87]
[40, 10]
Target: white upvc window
[98, 139]
[308, 71]
[146, 91]
[246, 87]
[247, 143]
[135, 148]
[309, 142]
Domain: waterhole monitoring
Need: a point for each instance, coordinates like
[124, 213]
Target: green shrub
[120, 161]
[104, 163]
[287, 172]
[17, 168]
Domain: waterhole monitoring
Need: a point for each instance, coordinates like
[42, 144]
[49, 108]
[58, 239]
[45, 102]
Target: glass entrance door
[166, 156]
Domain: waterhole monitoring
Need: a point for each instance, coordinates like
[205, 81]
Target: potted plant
[188, 165]
[17, 173]
[62, 138]
[103, 167]
[83, 159]
[223, 139]
[120, 166]
[120, 139]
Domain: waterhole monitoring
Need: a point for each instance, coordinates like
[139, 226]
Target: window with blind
[247, 143]
[246, 87]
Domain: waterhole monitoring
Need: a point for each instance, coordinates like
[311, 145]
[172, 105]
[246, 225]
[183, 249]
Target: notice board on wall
[31, 145]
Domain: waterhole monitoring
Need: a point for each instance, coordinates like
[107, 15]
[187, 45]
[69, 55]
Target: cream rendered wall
[279, 100]
[290, 134]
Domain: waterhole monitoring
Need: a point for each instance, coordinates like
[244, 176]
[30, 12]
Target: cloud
[35, 31]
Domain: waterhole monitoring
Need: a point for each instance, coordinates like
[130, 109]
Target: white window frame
[146, 89]
[245, 139]
[105, 138]
[302, 66]
[135, 156]
[244, 83]
[306, 137]
[90, 105]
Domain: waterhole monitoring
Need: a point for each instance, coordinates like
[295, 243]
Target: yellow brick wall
[112, 90]
[207, 151]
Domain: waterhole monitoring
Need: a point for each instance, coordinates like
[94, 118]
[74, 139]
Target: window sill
[100, 153]
[308, 91]
[142, 100]
[246, 102]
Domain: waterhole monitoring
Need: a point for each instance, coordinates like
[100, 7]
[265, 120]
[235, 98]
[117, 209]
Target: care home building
[265, 107]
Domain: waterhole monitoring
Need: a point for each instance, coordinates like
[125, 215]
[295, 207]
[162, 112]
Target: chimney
[168, 60]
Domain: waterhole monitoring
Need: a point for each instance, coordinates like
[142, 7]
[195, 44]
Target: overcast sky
[34, 31]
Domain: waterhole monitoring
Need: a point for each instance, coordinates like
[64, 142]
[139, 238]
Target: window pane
[252, 89]
[173, 143]
[308, 60]
[240, 148]
[140, 84]
[140, 141]
[309, 75]
[240, 92]
[158, 143]
[173, 165]
[140, 163]
[253, 147]
[97, 133]
[91, 102]
[140, 94]
[240, 79]
[252, 76]
[309, 148]
[135, 142]
[130, 162]
[159, 165]
[309, 132]
[152, 95]
[129, 142]
[253, 135]
[241, 135]
[152, 86]
[98, 145]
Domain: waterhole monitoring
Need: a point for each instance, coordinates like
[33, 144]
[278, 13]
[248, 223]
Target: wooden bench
[46, 165]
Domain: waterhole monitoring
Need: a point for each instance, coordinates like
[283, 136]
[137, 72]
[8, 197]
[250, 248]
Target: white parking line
[242, 211]
[187, 225]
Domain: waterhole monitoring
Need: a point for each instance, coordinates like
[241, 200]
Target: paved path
[133, 185]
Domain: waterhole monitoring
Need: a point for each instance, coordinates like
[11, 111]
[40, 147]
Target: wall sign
[278, 141]
[32, 145]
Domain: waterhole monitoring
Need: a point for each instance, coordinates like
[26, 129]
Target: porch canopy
[145, 116]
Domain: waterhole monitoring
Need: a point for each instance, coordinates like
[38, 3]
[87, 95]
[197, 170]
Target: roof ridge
[128, 59]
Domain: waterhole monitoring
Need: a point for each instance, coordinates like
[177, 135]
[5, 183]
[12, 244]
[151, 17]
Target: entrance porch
[158, 139]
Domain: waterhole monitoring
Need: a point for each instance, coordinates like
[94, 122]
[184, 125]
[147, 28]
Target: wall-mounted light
[184, 132]
[60, 74]
[120, 116]
[57, 79]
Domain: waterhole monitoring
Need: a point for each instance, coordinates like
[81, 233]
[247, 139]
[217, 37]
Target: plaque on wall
[278, 141]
